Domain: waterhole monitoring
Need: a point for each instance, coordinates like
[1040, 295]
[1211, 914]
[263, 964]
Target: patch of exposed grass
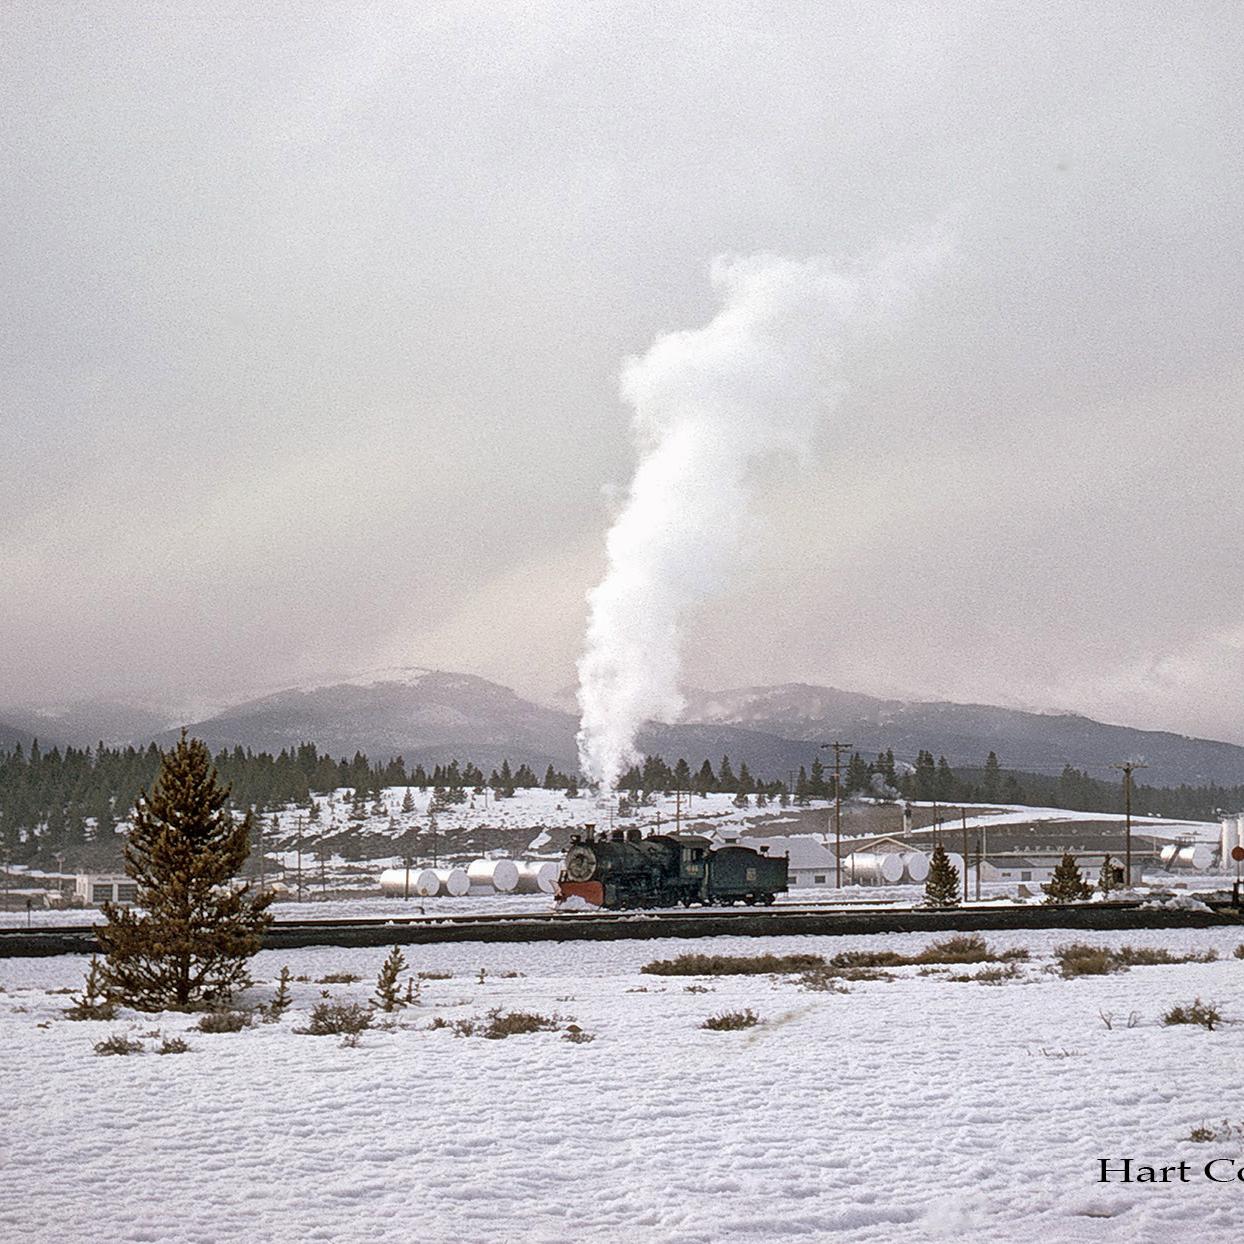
[1152, 956]
[339, 978]
[435, 976]
[825, 980]
[1238, 952]
[731, 1021]
[1196, 1012]
[732, 965]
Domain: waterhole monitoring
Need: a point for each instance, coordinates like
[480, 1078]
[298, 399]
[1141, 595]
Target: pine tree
[1068, 884]
[190, 942]
[1110, 877]
[991, 783]
[408, 803]
[941, 889]
[387, 996]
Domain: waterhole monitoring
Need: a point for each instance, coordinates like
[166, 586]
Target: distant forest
[68, 803]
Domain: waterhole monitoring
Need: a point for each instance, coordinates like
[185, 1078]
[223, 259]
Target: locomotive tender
[625, 869]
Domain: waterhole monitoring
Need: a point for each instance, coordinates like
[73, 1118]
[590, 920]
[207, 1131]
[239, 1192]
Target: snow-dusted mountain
[432, 716]
[966, 733]
[425, 716]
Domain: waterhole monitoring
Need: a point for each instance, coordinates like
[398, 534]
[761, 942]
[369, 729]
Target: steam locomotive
[626, 869]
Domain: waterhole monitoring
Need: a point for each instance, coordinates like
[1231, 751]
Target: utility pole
[1128, 767]
[839, 748]
[964, 816]
[300, 859]
[677, 811]
[259, 824]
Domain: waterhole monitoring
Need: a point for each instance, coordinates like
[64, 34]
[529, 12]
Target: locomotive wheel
[750, 900]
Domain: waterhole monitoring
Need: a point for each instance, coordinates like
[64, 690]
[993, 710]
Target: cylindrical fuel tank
[501, 875]
[454, 882]
[874, 868]
[537, 877]
[1195, 856]
[915, 867]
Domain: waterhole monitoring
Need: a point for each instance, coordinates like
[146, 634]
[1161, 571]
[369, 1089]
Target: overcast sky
[313, 317]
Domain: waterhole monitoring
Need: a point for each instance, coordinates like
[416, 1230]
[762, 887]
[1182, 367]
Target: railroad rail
[820, 920]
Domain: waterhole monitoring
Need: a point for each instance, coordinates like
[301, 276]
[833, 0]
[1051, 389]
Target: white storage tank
[915, 867]
[408, 882]
[1196, 856]
[956, 861]
[537, 876]
[501, 875]
[453, 882]
[874, 868]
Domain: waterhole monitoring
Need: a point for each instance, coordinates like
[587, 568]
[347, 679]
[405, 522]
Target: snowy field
[907, 1109]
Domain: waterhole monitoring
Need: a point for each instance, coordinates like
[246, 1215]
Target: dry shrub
[225, 1021]
[1196, 1012]
[331, 1019]
[732, 965]
[118, 1043]
[869, 959]
[435, 976]
[731, 1021]
[824, 980]
[576, 1035]
[502, 1024]
[1224, 1133]
[1238, 952]
[1081, 959]
[173, 1045]
[339, 978]
[965, 948]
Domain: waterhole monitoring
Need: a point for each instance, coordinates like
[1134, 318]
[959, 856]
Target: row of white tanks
[891, 867]
[479, 877]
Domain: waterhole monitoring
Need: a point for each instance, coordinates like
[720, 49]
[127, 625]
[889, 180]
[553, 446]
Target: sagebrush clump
[225, 1021]
[118, 1043]
[1206, 1014]
[731, 1021]
[732, 965]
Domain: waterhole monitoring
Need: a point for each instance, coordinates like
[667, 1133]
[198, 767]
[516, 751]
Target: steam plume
[707, 404]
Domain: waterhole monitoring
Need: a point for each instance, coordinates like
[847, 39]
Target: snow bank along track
[601, 926]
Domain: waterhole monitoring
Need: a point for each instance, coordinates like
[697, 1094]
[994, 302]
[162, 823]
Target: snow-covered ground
[907, 1109]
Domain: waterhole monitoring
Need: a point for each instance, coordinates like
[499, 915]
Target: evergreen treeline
[65, 803]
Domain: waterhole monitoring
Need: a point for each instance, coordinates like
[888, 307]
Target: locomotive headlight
[580, 863]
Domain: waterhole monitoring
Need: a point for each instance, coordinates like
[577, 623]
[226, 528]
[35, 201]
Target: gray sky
[313, 318]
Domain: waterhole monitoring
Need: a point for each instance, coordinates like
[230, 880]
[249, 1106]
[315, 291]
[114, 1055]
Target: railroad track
[821, 920]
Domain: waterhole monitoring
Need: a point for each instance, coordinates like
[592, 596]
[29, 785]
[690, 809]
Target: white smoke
[708, 404]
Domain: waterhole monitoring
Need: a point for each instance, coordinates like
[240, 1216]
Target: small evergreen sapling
[1068, 884]
[93, 1002]
[941, 889]
[387, 996]
[281, 999]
